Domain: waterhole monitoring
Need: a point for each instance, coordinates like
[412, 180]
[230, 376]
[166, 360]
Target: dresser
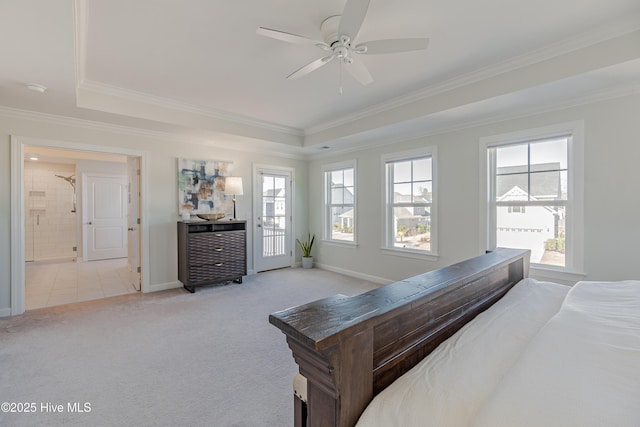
[211, 252]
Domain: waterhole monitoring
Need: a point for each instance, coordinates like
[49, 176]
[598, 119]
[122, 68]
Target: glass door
[273, 219]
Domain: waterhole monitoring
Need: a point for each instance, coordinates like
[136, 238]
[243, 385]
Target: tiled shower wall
[50, 224]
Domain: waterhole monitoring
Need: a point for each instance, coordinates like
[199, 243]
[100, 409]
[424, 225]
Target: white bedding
[544, 355]
[448, 387]
[581, 369]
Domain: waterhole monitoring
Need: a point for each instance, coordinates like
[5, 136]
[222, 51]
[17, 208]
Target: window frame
[574, 220]
[388, 240]
[327, 225]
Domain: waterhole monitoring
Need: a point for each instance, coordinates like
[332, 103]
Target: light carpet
[164, 359]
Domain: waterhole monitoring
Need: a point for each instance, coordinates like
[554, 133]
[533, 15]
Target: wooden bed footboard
[351, 348]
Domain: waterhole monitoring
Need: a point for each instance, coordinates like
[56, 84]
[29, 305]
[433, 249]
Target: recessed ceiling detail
[201, 73]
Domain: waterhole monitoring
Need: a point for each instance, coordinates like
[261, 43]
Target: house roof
[406, 198]
[545, 180]
[273, 192]
[406, 213]
[517, 194]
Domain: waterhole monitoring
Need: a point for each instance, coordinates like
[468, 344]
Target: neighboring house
[342, 216]
[345, 220]
[528, 226]
[274, 207]
[411, 216]
[412, 222]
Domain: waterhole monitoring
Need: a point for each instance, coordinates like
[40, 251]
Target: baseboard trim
[357, 275]
[5, 312]
[163, 286]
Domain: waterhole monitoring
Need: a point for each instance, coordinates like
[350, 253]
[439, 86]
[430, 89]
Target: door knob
[89, 223]
[130, 229]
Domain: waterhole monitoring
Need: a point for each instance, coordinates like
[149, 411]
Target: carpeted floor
[164, 359]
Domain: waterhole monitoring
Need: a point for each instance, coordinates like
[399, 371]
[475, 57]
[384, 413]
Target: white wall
[162, 185]
[612, 199]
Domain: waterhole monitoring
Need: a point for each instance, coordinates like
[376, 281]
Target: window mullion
[529, 172]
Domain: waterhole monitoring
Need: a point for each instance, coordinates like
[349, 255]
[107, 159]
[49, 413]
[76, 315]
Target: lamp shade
[233, 185]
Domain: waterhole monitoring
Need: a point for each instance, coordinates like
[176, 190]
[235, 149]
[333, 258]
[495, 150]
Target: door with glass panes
[272, 232]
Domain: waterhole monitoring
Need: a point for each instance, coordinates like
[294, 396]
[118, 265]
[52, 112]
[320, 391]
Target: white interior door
[133, 221]
[272, 234]
[105, 216]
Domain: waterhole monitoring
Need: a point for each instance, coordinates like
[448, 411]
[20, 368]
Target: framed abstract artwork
[201, 186]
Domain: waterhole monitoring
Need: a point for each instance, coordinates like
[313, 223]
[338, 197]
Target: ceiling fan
[340, 33]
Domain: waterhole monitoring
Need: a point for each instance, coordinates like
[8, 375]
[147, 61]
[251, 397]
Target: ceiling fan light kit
[339, 33]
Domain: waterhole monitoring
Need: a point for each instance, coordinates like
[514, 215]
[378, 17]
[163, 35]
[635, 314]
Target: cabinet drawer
[206, 241]
[217, 271]
[205, 248]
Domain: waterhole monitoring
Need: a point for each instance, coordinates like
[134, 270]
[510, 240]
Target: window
[410, 202]
[534, 195]
[340, 202]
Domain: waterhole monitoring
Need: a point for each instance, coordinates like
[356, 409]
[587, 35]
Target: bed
[409, 354]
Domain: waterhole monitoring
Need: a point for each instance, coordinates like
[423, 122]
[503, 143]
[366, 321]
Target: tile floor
[61, 282]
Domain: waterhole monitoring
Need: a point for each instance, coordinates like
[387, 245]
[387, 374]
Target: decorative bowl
[211, 217]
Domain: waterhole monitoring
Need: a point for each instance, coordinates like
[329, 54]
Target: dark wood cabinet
[211, 252]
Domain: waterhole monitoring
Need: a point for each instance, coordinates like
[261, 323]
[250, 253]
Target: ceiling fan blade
[391, 46]
[359, 72]
[312, 66]
[352, 18]
[290, 38]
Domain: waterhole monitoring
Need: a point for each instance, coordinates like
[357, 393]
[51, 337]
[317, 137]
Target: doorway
[115, 275]
[274, 219]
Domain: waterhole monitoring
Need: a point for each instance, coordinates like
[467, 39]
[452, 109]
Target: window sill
[341, 243]
[564, 277]
[410, 254]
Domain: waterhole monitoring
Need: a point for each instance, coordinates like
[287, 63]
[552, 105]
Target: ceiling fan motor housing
[329, 29]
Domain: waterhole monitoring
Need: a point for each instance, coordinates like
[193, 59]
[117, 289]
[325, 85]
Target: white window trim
[387, 246]
[326, 227]
[574, 269]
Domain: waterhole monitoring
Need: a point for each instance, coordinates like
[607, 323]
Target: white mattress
[451, 384]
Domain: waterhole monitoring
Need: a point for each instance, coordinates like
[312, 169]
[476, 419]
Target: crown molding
[525, 60]
[158, 101]
[600, 96]
[259, 147]
[82, 83]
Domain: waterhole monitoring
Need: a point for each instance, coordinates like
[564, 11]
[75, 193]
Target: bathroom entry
[63, 190]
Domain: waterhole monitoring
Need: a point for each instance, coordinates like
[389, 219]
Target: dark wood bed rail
[350, 348]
